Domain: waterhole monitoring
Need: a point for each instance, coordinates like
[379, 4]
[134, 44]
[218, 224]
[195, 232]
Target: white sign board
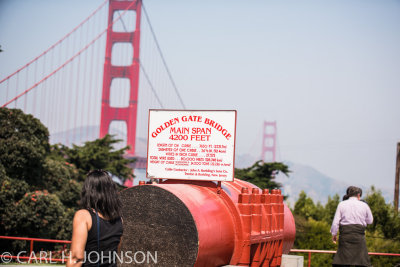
[191, 145]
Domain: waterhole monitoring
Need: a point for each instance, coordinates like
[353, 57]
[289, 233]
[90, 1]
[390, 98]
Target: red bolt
[255, 191]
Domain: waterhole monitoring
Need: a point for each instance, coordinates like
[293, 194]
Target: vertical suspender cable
[15, 103]
[85, 88]
[35, 92]
[43, 91]
[53, 96]
[77, 107]
[26, 85]
[8, 86]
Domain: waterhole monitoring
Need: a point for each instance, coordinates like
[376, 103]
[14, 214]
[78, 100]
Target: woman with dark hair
[351, 219]
[352, 191]
[97, 226]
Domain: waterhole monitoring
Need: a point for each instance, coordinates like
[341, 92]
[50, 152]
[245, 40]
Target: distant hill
[305, 178]
[244, 161]
[316, 184]
[80, 135]
[75, 136]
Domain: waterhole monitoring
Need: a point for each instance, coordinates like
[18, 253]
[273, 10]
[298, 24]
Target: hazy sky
[327, 71]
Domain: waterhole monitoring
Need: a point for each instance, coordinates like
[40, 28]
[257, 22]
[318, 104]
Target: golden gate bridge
[102, 77]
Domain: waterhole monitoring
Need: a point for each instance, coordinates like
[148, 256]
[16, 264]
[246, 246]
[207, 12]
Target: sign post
[191, 145]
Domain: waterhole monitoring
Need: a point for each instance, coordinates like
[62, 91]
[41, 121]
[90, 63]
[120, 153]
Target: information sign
[191, 145]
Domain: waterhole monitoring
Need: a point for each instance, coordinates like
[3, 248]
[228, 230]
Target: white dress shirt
[351, 211]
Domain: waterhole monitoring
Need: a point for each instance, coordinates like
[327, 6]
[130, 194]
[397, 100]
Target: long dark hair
[352, 191]
[100, 193]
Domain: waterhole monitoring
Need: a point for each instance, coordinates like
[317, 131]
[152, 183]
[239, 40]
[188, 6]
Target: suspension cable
[57, 43]
[151, 85]
[69, 60]
[162, 57]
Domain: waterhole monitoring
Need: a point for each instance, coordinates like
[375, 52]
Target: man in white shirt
[351, 219]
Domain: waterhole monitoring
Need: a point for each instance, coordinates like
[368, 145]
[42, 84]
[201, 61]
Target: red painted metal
[238, 224]
[129, 113]
[36, 239]
[267, 135]
[31, 247]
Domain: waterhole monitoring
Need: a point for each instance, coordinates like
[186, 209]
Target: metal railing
[31, 241]
[310, 251]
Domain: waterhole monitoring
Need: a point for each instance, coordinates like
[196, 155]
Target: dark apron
[352, 248]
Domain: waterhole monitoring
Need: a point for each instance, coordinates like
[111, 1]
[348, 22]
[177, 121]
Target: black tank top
[110, 236]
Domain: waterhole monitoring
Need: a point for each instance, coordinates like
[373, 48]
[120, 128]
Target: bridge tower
[127, 114]
[269, 141]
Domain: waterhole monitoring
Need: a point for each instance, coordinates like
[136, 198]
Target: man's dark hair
[100, 193]
[352, 191]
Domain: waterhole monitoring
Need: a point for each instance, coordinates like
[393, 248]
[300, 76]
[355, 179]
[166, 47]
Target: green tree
[41, 214]
[377, 243]
[3, 174]
[97, 154]
[27, 208]
[24, 143]
[378, 207]
[330, 208]
[312, 231]
[12, 190]
[305, 206]
[62, 178]
[386, 220]
[319, 212]
[263, 174]
[384, 233]
[312, 234]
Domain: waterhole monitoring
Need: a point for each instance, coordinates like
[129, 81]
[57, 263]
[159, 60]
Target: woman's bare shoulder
[83, 215]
